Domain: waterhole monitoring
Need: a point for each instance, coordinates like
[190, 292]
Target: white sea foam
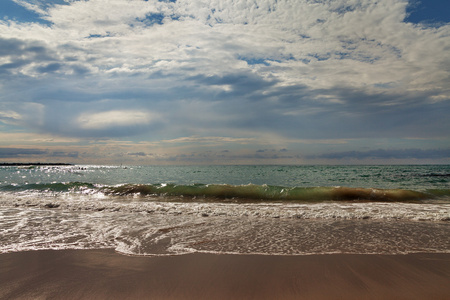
[134, 227]
[323, 210]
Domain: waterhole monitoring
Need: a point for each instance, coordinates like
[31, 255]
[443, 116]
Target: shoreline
[105, 274]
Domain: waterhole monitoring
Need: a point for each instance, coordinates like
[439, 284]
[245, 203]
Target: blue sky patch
[10, 10]
[255, 61]
[152, 19]
[428, 11]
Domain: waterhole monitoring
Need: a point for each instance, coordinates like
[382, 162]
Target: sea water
[272, 210]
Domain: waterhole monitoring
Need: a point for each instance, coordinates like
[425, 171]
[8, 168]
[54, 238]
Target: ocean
[267, 210]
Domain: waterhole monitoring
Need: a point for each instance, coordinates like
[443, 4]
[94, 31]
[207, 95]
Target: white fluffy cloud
[114, 118]
[320, 44]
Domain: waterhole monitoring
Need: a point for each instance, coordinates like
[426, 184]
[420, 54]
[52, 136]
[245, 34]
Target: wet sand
[104, 274]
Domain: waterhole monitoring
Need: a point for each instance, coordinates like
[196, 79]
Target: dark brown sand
[103, 274]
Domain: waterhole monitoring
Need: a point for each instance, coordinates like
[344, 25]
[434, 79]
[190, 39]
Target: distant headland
[33, 164]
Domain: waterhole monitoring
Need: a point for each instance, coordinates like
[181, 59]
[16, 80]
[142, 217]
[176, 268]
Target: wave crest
[273, 193]
[235, 193]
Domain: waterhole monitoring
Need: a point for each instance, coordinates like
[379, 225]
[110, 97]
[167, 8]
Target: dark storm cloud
[42, 57]
[241, 83]
[33, 152]
[137, 154]
[368, 114]
[73, 154]
[304, 113]
[49, 68]
[20, 152]
[23, 52]
[253, 103]
[18, 48]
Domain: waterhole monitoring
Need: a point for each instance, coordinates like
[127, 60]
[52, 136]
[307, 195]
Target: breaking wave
[235, 193]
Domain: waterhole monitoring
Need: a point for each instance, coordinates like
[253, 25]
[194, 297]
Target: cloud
[20, 152]
[73, 154]
[26, 138]
[137, 154]
[389, 154]
[111, 123]
[53, 67]
[211, 139]
[9, 116]
[35, 152]
[114, 118]
[32, 58]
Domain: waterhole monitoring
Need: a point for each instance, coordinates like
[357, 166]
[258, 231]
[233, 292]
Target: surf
[237, 193]
[273, 193]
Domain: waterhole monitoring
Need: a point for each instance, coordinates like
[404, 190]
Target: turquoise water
[389, 177]
[271, 210]
[303, 183]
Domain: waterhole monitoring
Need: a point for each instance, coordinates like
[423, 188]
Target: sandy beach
[104, 274]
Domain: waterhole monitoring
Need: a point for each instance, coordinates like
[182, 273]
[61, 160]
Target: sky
[225, 81]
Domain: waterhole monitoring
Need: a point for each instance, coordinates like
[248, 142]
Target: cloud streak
[388, 154]
[34, 153]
